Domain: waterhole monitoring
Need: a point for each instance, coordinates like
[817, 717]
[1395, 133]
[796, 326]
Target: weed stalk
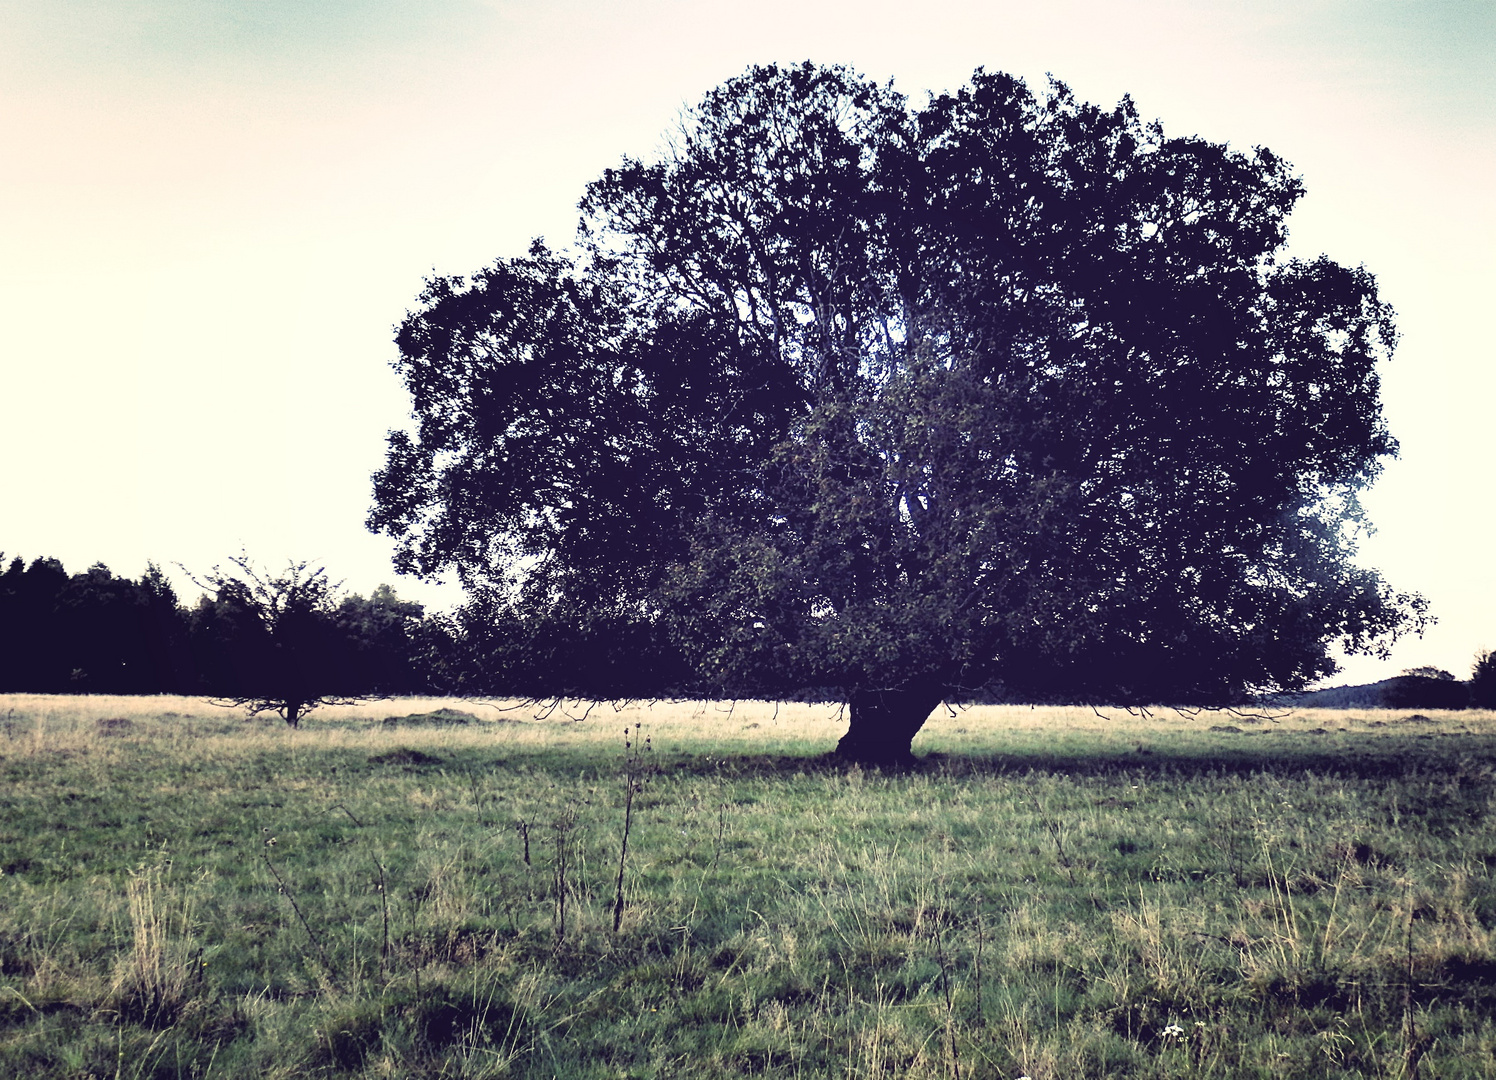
[1054, 831]
[631, 777]
[981, 935]
[950, 1001]
[562, 828]
[477, 798]
[1412, 1046]
[721, 833]
[523, 828]
[310, 933]
[384, 910]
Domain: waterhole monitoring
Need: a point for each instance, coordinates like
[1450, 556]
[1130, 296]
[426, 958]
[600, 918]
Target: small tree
[270, 643]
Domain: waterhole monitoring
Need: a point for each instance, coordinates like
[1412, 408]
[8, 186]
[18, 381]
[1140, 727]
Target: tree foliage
[907, 400]
[267, 640]
[1412, 690]
[89, 632]
[1483, 680]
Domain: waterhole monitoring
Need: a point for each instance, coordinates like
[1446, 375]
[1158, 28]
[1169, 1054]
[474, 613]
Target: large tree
[909, 400]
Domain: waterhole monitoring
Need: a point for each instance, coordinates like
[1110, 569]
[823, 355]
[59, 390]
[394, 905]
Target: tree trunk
[884, 723]
[293, 712]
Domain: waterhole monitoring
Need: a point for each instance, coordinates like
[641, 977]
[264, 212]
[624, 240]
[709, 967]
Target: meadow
[420, 888]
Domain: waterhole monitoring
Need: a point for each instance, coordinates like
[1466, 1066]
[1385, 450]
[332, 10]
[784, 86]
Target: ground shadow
[1466, 757]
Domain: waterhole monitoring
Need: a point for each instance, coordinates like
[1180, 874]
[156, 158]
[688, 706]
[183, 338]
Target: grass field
[1050, 893]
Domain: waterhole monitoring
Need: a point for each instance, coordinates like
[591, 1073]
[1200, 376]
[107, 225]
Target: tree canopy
[903, 400]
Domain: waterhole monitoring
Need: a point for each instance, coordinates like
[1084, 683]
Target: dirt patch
[404, 756]
[441, 717]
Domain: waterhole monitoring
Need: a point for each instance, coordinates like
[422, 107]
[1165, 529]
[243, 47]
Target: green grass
[1051, 893]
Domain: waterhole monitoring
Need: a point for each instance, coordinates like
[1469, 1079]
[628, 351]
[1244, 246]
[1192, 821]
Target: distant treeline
[296, 637]
[1419, 688]
[97, 632]
[253, 635]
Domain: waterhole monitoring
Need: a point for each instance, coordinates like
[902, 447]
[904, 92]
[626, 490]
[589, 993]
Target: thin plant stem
[310, 933]
[630, 785]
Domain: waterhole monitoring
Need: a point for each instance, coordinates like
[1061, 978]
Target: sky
[214, 212]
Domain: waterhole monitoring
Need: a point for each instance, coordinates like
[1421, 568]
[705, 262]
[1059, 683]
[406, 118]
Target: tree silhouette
[1483, 680]
[376, 637]
[905, 401]
[91, 631]
[271, 643]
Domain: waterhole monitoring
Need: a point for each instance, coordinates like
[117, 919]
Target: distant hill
[1401, 692]
[1361, 696]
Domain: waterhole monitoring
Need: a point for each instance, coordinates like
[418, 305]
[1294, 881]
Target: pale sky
[214, 212]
